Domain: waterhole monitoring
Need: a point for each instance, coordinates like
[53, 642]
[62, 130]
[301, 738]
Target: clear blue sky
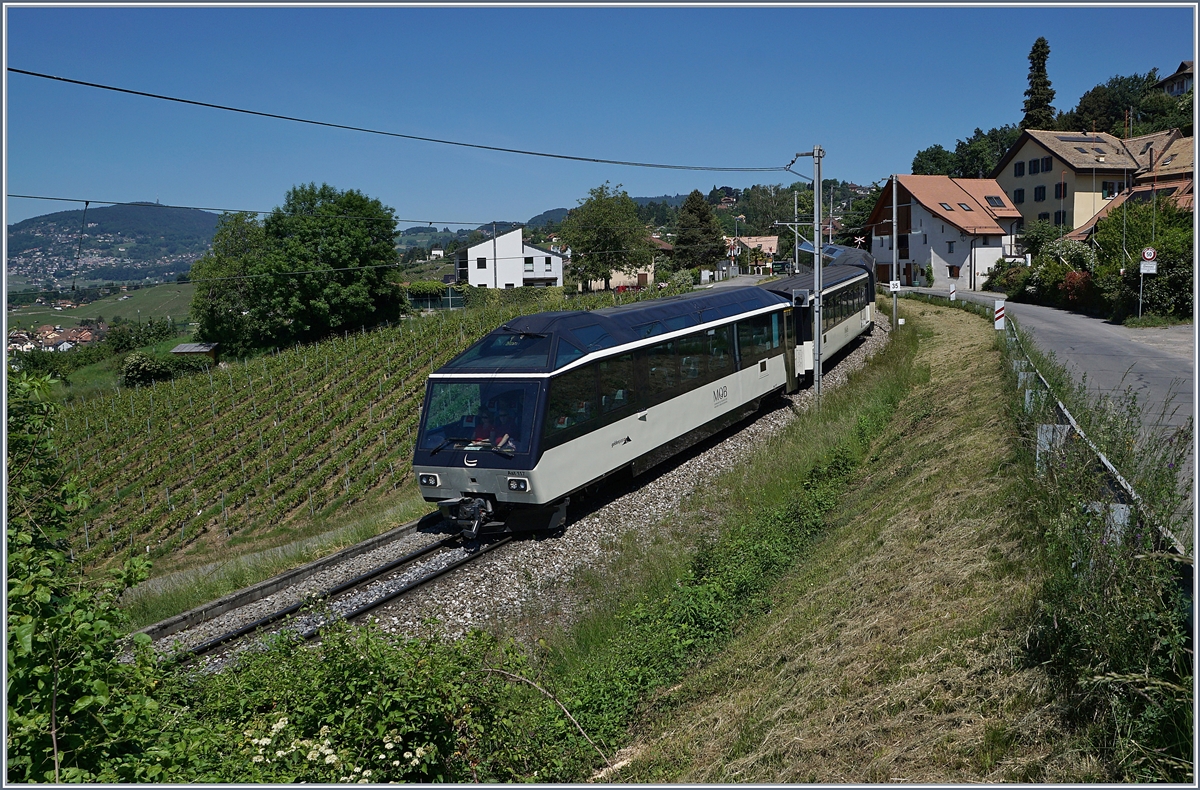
[725, 87]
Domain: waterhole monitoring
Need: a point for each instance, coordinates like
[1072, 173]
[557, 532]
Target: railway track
[347, 600]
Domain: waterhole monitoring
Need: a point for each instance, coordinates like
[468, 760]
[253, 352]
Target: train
[555, 403]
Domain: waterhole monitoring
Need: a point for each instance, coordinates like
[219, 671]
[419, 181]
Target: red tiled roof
[978, 218]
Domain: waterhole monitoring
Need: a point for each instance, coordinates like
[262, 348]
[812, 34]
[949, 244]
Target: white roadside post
[999, 314]
[952, 296]
[1149, 266]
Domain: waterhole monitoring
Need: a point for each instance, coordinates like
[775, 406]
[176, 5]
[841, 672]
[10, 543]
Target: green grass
[104, 375]
[1155, 320]
[159, 301]
[169, 594]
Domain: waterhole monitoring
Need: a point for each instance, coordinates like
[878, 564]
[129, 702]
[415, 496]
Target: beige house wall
[1084, 191]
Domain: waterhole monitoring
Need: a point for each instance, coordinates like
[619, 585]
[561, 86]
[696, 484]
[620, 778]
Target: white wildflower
[395, 762]
[258, 758]
[389, 745]
[408, 755]
[279, 725]
[367, 772]
[313, 755]
[330, 759]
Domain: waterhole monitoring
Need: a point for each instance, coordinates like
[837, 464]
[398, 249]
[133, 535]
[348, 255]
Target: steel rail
[249, 628]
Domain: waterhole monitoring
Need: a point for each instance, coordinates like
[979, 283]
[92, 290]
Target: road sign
[952, 288]
[999, 314]
[894, 286]
[1149, 254]
[1149, 267]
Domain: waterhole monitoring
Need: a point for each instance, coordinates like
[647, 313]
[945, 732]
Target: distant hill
[547, 217]
[127, 242]
[670, 200]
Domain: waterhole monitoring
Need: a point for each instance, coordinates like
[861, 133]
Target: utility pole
[817, 153]
[796, 232]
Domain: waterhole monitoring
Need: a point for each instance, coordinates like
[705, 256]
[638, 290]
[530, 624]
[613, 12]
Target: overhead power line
[348, 127]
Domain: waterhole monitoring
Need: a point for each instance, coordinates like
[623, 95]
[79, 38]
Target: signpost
[999, 314]
[952, 284]
[1149, 266]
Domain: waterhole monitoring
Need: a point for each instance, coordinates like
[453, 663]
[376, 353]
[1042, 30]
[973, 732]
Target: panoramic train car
[848, 303]
[551, 403]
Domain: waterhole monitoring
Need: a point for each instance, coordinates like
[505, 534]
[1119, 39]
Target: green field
[159, 301]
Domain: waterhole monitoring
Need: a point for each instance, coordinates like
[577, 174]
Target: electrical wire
[347, 127]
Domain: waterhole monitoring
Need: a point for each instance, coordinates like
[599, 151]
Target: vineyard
[265, 444]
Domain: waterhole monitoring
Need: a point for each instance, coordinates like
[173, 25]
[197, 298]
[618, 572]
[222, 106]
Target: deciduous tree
[605, 235]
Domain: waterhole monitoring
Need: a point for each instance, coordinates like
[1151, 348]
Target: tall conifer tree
[1038, 112]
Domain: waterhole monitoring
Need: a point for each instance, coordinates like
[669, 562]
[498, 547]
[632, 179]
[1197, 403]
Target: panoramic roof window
[506, 350]
[594, 336]
[965, 207]
[650, 330]
[567, 354]
[946, 206]
[995, 200]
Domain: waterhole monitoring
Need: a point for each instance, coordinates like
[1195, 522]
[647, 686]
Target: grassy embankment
[892, 651]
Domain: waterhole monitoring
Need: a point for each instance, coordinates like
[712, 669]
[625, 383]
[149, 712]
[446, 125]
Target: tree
[698, 237]
[316, 265]
[854, 221]
[225, 291]
[1119, 240]
[1039, 114]
[934, 161]
[978, 155]
[605, 235]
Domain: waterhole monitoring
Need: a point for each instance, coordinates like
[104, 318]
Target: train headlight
[518, 484]
[428, 480]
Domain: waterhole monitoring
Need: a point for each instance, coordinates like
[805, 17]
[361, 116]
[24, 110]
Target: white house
[958, 228]
[506, 261]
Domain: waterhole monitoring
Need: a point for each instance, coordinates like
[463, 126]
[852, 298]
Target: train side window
[571, 404]
[617, 383]
[693, 363]
[754, 339]
[720, 351]
[661, 367]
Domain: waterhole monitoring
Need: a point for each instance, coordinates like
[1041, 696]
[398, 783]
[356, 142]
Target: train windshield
[496, 415]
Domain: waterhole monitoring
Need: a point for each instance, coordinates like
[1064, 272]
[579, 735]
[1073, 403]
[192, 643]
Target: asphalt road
[1158, 364]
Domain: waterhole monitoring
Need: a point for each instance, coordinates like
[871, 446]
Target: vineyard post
[169, 505]
[224, 515]
[143, 499]
[86, 538]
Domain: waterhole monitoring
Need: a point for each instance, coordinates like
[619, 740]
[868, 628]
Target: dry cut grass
[893, 651]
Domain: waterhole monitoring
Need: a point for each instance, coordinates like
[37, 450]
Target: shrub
[140, 369]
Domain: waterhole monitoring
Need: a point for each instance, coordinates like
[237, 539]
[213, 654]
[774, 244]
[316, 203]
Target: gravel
[526, 586]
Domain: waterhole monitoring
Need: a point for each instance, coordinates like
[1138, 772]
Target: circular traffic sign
[1149, 254]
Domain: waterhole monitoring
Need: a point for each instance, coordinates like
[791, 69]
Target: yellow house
[1067, 177]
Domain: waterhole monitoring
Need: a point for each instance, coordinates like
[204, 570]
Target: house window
[1047, 164]
[481, 263]
[1039, 194]
[1018, 196]
[1111, 188]
[1018, 169]
[529, 264]
[1060, 217]
[1035, 166]
[986, 241]
[953, 272]
[965, 207]
[549, 267]
[1060, 190]
[1044, 215]
[1083, 150]
[509, 285]
[995, 201]
[946, 206]
[950, 247]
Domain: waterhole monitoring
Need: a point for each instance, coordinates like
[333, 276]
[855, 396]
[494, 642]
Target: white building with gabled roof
[506, 261]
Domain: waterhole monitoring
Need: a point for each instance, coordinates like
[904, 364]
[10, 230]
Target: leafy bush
[75, 712]
[139, 369]
[1119, 239]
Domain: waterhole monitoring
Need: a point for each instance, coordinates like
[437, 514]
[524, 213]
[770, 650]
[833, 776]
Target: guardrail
[1053, 435]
